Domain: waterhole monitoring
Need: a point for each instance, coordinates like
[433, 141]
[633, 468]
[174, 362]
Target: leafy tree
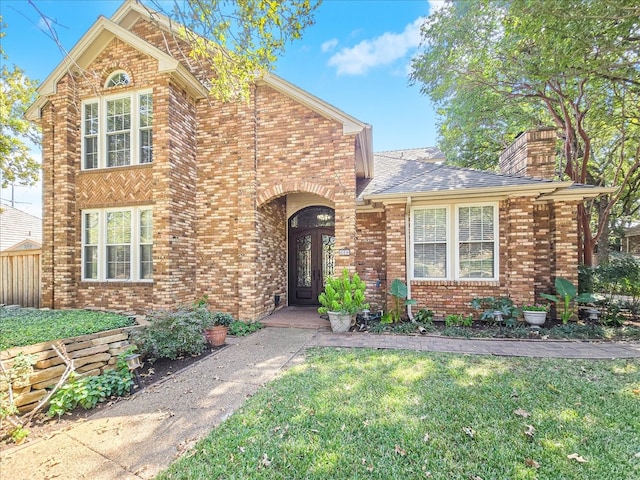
[252, 33]
[17, 134]
[497, 67]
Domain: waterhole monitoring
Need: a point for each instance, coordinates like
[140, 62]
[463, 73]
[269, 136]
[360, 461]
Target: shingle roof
[395, 172]
[16, 226]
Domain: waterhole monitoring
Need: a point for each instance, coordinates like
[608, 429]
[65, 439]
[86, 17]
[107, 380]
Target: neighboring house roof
[403, 173]
[632, 231]
[17, 226]
[104, 30]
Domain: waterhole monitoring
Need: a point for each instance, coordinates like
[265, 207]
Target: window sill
[117, 283]
[113, 169]
[458, 283]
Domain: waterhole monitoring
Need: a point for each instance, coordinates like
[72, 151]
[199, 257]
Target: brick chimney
[532, 154]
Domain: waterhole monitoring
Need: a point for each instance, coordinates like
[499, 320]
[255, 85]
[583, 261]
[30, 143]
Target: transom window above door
[117, 131]
[313, 217]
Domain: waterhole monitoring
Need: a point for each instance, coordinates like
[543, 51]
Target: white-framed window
[117, 130]
[117, 244]
[455, 242]
[118, 79]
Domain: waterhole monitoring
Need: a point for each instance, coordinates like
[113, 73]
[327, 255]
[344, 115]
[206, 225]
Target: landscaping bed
[43, 426]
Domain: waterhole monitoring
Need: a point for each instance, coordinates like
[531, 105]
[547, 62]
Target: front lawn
[25, 326]
[349, 414]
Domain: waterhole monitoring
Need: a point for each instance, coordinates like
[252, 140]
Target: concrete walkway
[140, 436]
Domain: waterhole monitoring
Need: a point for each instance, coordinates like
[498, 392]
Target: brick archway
[264, 196]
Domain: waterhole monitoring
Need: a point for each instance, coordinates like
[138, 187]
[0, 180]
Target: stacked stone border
[92, 355]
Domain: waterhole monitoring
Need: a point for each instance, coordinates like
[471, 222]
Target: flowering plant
[535, 308]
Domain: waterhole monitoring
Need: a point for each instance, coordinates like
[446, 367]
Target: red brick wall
[537, 243]
[396, 247]
[532, 154]
[370, 255]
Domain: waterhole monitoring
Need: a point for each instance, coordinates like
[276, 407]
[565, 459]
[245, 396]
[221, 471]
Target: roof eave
[576, 194]
[471, 193]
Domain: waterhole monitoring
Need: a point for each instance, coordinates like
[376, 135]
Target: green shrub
[343, 294]
[222, 319]
[489, 305]
[87, 392]
[621, 276]
[174, 333]
[424, 316]
[239, 328]
[458, 320]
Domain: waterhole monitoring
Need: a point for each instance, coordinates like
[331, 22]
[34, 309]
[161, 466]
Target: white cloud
[329, 45]
[436, 6]
[382, 50]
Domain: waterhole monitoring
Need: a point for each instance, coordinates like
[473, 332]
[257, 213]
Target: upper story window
[117, 131]
[455, 242]
[118, 79]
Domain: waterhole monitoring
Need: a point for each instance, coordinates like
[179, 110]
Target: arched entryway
[311, 253]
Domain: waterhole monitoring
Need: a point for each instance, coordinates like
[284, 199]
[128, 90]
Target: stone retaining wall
[91, 354]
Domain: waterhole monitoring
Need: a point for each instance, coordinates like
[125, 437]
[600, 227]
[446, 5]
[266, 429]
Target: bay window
[455, 242]
[117, 244]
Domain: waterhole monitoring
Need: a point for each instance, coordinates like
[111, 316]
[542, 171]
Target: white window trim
[448, 265]
[113, 74]
[134, 135]
[453, 260]
[102, 245]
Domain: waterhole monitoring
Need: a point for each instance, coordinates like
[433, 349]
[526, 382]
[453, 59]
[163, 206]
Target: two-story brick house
[156, 195]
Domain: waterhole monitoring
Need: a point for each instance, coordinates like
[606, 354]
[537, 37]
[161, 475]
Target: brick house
[156, 195]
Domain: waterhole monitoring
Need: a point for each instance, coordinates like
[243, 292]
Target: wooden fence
[20, 277]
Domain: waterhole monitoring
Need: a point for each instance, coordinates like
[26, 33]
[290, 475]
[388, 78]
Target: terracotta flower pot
[216, 336]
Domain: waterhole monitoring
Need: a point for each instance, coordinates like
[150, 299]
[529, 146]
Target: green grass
[22, 326]
[352, 414]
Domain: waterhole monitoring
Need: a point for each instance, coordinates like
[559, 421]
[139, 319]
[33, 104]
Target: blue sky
[356, 57]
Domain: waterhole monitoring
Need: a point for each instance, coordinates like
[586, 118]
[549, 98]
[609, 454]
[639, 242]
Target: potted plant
[342, 298]
[217, 329]
[535, 315]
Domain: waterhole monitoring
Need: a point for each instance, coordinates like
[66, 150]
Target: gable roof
[17, 226]
[104, 30]
[401, 174]
[93, 43]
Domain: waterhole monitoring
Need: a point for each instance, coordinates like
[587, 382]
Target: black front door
[311, 254]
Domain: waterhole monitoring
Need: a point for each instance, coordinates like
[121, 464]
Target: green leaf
[398, 288]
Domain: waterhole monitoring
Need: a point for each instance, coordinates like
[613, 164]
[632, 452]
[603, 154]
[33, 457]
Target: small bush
[87, 392]
[239, 328]
[424, 316]
[222, 319]
[174, 333]
[458, 320]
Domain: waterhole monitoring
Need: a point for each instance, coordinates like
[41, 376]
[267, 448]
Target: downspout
[407, 254]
